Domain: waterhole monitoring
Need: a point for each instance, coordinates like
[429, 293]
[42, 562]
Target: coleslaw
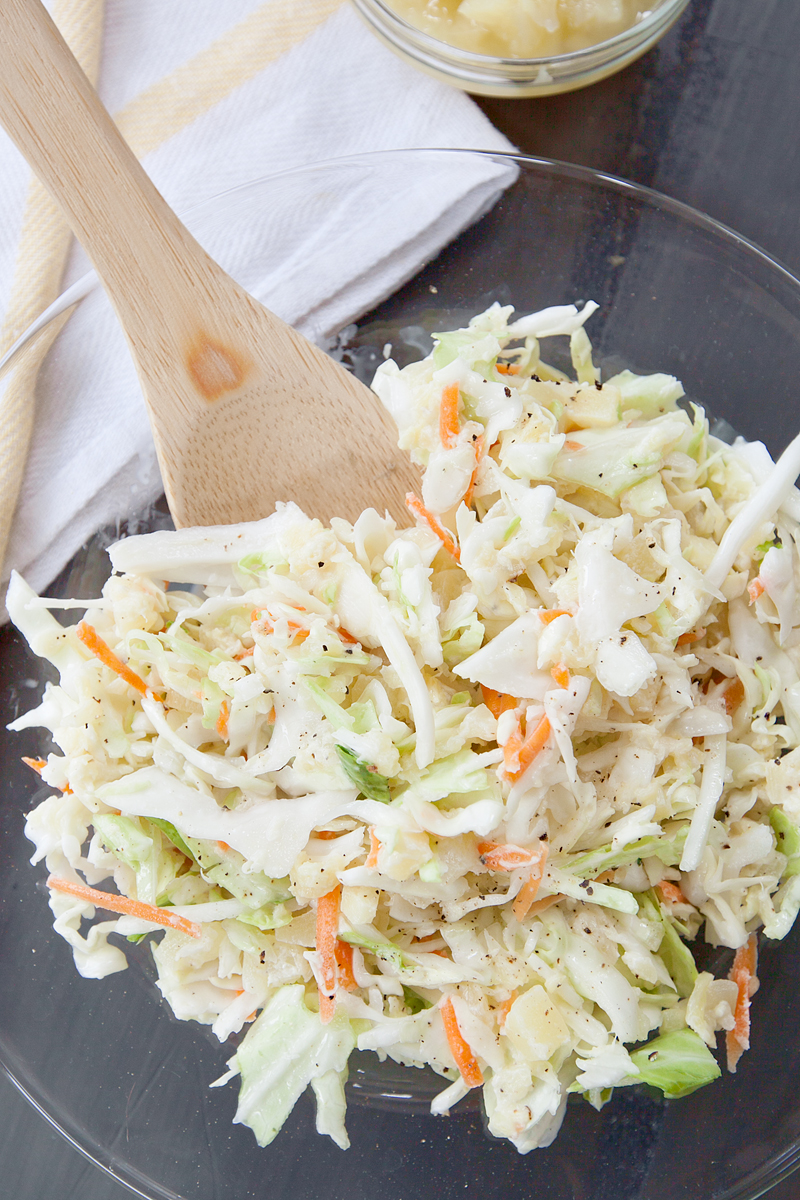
[462, 794]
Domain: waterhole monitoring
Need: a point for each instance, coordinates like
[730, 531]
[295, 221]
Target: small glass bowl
[488, 75]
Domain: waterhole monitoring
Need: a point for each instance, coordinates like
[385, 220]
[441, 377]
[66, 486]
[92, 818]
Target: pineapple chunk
[535, 1026]
[592, 408]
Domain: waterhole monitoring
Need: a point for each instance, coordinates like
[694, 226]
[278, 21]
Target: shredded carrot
[245, 652]
[755, 589]
[374, 847]
[670, 892]
[224, 847]
[36, 764]
[560, 675]
[343, 952]
[448, 416]
[327, 1007]
[504, 1008]
[733, 696]
[326, 835]
[222, 719]
[299, 631]
[546, 615]
[497, 702]
[464, 1058]
[347, 637]
[445, 537]
[519, 753]
[743, 974]
[507, 368]
[568, 445]
[92, 641]
[125, 905]
[327, 929]
[691, 635]
[467, 499]
[527, 893]
[496, 856]
[542, 905]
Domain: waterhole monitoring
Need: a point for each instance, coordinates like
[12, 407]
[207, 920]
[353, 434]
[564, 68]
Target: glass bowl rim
[787, 1161]
[555, 167]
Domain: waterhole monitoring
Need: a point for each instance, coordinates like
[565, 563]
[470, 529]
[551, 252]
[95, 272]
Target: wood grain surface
[244, 409]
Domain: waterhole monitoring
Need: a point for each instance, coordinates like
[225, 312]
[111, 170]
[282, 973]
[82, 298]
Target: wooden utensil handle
[51, 111]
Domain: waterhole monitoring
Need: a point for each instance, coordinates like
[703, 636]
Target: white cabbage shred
[461, 794]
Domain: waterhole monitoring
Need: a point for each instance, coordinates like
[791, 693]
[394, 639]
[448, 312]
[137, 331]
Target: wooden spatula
[245, 411]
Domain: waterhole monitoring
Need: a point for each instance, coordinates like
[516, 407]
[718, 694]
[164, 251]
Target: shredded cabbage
[522, 777]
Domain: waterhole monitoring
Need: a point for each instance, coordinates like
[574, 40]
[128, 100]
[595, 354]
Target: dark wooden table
[711, 116]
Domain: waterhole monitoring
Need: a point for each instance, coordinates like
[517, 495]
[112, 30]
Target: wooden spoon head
[263, 416]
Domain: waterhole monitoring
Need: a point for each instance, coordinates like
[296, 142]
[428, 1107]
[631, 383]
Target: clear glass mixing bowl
[104, 1061]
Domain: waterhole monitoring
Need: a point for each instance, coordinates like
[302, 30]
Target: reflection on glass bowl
[105, 1061]
[502, 58]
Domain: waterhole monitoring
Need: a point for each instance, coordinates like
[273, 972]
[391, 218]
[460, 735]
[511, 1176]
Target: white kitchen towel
[211, 97]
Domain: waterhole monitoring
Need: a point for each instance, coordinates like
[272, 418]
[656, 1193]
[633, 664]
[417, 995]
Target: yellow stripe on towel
[154, 116]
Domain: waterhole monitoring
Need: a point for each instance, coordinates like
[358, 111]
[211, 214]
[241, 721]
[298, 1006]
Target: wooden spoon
[245, 411]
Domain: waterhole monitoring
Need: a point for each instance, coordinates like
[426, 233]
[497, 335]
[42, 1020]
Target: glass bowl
[104, 1061]
[487, 75]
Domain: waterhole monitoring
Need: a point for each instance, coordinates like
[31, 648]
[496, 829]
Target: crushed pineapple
[521, 28]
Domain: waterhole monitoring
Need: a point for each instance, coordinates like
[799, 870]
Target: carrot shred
[527, 893]
[222, 719]
[670, 892]
[497, 702]
[347, 637]
[570, 445]
[733, 696]
[300, 633]
[507, 368]
[542, 905]
[326, 835]
[125, 905]
[560, 675]
[327, 1007]
[327, 929]
[497, 856]
[423, 514]
[464, 1058]
[374, 848]
[448, 416]
[755, 589]
[36, 764]
[691, 635]
[546, 615]
[343, 952]
[743, 974]
[467, 498]
[504, 1008]
[520, 752]
[92, 641]
[223, 846]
